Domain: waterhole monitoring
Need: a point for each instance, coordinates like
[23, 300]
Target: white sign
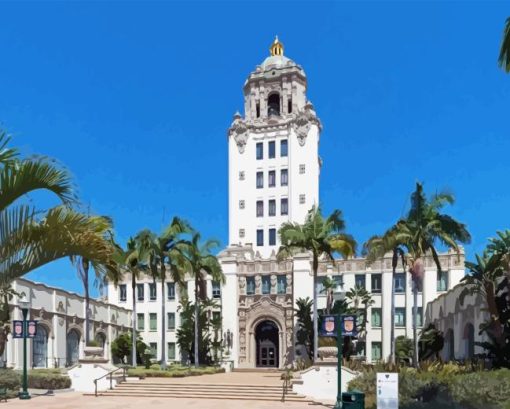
[387, 390]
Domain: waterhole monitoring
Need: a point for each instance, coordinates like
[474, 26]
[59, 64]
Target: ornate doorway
[267, 344]
[73, 347]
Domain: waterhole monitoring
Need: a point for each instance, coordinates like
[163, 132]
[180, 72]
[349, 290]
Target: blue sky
[135, 99]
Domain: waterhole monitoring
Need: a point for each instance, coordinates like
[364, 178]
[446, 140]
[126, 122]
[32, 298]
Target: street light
[339, 295]
[25, 306]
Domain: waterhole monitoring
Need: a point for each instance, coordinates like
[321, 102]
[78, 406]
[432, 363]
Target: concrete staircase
[160, 389]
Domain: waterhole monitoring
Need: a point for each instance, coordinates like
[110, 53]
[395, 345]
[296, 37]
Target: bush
[174, 371]
[11, 380]
[48, 379]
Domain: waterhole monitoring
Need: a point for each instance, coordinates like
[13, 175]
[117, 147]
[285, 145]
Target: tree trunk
[87, 309]
[392, 317]
[315, 314]
[416, 358]
[197, 312]
[163, 313]
[133, 327]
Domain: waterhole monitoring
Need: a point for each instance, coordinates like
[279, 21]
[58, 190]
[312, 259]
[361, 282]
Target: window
[320, 286]
[250, 285]
[140, 322]
[216, 316]
[442, 280]
[258, 109]
[216, 289]
[273, 105]
[272, 208]
[419, 316]
[122, 292]
[400, 283]
[260, 150]
[170, 291]
[241, 233]
[359, 280]
[171, 351]
[153, 321]
[272, 178]
[376, 351]
[152, 291]
[302, 169]
[260, 208]
[272, 150]
[272, 237]
[260, 237]
[139, 292]
[241, 204]
[154, 348]
[284, 206]
[376, 283]
[302, 199]
[170, 318]
[400, 317]
[289, 106]
[266, 285]
[284, 148]
[241, 175]
[376, 317]
[284, 177]
[281, 282]
[260, 180]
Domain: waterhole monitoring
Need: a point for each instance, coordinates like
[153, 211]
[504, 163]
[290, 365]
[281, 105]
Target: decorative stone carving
[273, 284]
[239, 131]
[60, 307]
[258, 281]
[242, 285]
[304, 121]
[289, 280]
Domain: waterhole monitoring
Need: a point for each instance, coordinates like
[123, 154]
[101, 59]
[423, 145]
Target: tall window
[272, 150]
[171, 351]
[376, 283]
[442, 280]
[266, 285]
[320, 286]
[258, 109]
[376, 317]
[272, 178]
[400, 283]
[260, 237]
[359, 280]
[376, 351]
[284, 148]
[400, 317]
[122, 292]
[260, 180]
[419, 316]
[170, 291]
[152, 291]
[250, 285]
[260, 208]
[260, 150]
[284, 177]
[281, 281]
[272, 207]
[139, 292]
[272, 237]
[154, 348]
[140, 321]
[170, 321]
[216, 289]
[153, 321]
[289, 106]
[284, 206]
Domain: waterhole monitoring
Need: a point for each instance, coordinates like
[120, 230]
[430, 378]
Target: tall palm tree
[322, 237]
[200, 264]
[504, 53]
[163, 254]
[129, 261]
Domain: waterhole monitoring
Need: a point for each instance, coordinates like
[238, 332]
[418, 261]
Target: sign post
[387, 390]
[24, 329]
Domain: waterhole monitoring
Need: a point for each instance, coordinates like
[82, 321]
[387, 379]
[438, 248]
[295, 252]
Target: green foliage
[121, 348]
[431, 343]
[92, 343]
[11, 380]
[504, 52]
[174, 371]
[48, 379]
[403, 350]
[304, 334]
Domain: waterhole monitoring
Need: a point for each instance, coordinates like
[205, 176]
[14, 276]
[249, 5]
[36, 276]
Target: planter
[93, 352]
[328, 353]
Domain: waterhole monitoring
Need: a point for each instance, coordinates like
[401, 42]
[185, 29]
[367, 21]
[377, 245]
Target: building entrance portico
[267, 344]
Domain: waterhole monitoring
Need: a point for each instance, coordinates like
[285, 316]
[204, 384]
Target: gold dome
[276, 48]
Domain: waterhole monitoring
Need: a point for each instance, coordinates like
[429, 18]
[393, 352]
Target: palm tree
[129, 260]
[329, 286]
[504, 53]
[360, 299]
[200, 263]
[322, 237]
[161, 254]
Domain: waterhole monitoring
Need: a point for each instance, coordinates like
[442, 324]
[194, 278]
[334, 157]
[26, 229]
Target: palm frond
[504, 52]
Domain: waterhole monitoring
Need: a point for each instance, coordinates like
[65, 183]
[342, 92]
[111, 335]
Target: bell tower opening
[273, 105]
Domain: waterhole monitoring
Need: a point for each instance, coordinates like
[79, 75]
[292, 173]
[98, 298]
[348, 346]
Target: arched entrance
[469, 341]
[40, 348]
[73, 347]
[267, 344]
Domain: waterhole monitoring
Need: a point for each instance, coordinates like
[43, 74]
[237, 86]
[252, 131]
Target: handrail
[123, 368]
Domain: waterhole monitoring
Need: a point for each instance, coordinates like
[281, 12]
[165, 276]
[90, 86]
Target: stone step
[136, 386]
[203, 391]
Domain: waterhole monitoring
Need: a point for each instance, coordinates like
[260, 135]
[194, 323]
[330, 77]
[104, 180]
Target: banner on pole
[328, 327]
[17, 329]
[349, 326]
[31, 329]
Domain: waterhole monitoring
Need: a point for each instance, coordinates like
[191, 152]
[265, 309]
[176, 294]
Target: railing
[110, 374]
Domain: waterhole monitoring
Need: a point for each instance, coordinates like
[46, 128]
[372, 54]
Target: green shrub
[173, 372]
[11, 380]
[48, 379]
[92, 343]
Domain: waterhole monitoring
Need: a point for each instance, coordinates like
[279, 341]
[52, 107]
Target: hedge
[173, 372]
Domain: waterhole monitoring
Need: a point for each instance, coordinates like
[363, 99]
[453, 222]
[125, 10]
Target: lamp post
[339, 295]
[24, 305]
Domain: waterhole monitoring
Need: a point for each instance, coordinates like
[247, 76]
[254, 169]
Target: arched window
[273, 105]
[469, 341]
[73, 347]
[101, 339]
[449, 346]
[40, 348]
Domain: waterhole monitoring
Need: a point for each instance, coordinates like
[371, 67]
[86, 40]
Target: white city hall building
[274, 169]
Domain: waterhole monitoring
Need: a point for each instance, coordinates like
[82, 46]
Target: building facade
[60, 314]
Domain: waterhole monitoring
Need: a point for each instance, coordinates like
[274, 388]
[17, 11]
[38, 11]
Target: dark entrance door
[266, 337]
